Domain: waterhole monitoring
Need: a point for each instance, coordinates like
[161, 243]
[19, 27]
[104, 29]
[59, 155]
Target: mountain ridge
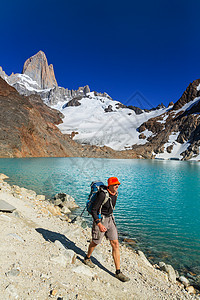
[95, 119]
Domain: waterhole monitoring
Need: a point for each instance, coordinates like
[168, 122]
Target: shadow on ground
[51, 236]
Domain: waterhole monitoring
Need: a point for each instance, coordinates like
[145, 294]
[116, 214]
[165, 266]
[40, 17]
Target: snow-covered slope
[91, 124]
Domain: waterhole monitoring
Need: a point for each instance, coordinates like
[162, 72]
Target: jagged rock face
[3, 74]
[37, 68]
[190, 94]
[137, 110]
[186, 123]
[73, 102]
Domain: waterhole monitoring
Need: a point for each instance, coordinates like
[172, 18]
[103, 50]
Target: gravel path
[42, 258]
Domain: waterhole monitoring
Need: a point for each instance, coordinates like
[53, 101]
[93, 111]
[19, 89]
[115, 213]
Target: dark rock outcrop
[190, 94]
[185, 123]
[137, 110]
[108, 109]
[120, 105]
[73, 102]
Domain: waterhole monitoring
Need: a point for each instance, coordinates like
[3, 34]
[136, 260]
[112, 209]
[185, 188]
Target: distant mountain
[28, 129]
[37, 68]
[95, 119]
[176, 133]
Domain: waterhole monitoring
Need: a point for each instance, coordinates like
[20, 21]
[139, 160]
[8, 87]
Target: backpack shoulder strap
[107, 197]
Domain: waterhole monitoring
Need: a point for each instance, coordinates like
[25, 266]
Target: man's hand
[102, 228]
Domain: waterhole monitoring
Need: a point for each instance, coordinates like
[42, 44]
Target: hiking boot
[122, 277]
[88, 263]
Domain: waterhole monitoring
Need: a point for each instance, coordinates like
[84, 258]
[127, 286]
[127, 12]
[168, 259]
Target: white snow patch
[197, 157]
[198, 88]
[163, 120]
[117, 129]
[177, 148]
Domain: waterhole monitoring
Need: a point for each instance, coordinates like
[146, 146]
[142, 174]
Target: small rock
[84, 271]
[16, 214]
[13, 272]
[191, 289]
[12, 291]
[3, 176]
[169, 270]
[59, 245]
[60, 259]
[70, 255]
[177, 274]
[53, 292]
[44, 276]
[65, 210]
[32, 193]
[95, 278]
[40, 197]
[44, 211]
[184, 281]
[67, 257]
[63, 218]
[5, 206]
[54, 210]
[5, 218]
[15, 236]
[57, 202]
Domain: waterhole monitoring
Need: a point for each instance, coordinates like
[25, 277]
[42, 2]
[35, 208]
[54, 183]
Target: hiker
[106, 226]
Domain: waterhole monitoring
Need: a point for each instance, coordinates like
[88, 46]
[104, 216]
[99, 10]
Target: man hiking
[106, 226]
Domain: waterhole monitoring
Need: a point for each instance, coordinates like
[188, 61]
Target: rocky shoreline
[42, 256]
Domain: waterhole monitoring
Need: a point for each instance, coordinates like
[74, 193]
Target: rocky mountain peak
[37, 68]
[190, 94]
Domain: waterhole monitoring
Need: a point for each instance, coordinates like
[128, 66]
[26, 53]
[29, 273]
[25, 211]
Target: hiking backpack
[96, 186]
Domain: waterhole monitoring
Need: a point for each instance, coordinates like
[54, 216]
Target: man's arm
[95, 209]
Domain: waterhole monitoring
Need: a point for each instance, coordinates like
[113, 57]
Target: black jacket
[106, 209]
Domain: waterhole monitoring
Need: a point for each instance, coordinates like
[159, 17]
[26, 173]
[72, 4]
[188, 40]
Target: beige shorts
[111, 233]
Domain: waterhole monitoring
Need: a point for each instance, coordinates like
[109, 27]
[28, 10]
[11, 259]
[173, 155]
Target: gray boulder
[64, 200]
[67, 257]
[5, 206]
[184, 281]
[169, 270]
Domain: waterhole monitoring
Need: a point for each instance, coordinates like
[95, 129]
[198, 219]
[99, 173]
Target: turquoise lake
[158, 204]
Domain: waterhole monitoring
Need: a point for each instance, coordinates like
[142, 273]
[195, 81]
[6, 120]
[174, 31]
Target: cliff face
[177, 129]
[37, 68]
[27, 126]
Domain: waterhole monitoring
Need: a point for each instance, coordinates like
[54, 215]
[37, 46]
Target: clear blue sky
[121, 47]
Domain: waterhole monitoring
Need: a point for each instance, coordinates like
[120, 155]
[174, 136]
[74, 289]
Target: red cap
[113, 181]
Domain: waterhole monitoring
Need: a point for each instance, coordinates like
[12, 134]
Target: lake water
[158, 204]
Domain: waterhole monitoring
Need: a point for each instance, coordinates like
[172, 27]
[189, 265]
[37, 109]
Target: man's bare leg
[116, 253]
[91, 247]
[116, 256]
[87, 261]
